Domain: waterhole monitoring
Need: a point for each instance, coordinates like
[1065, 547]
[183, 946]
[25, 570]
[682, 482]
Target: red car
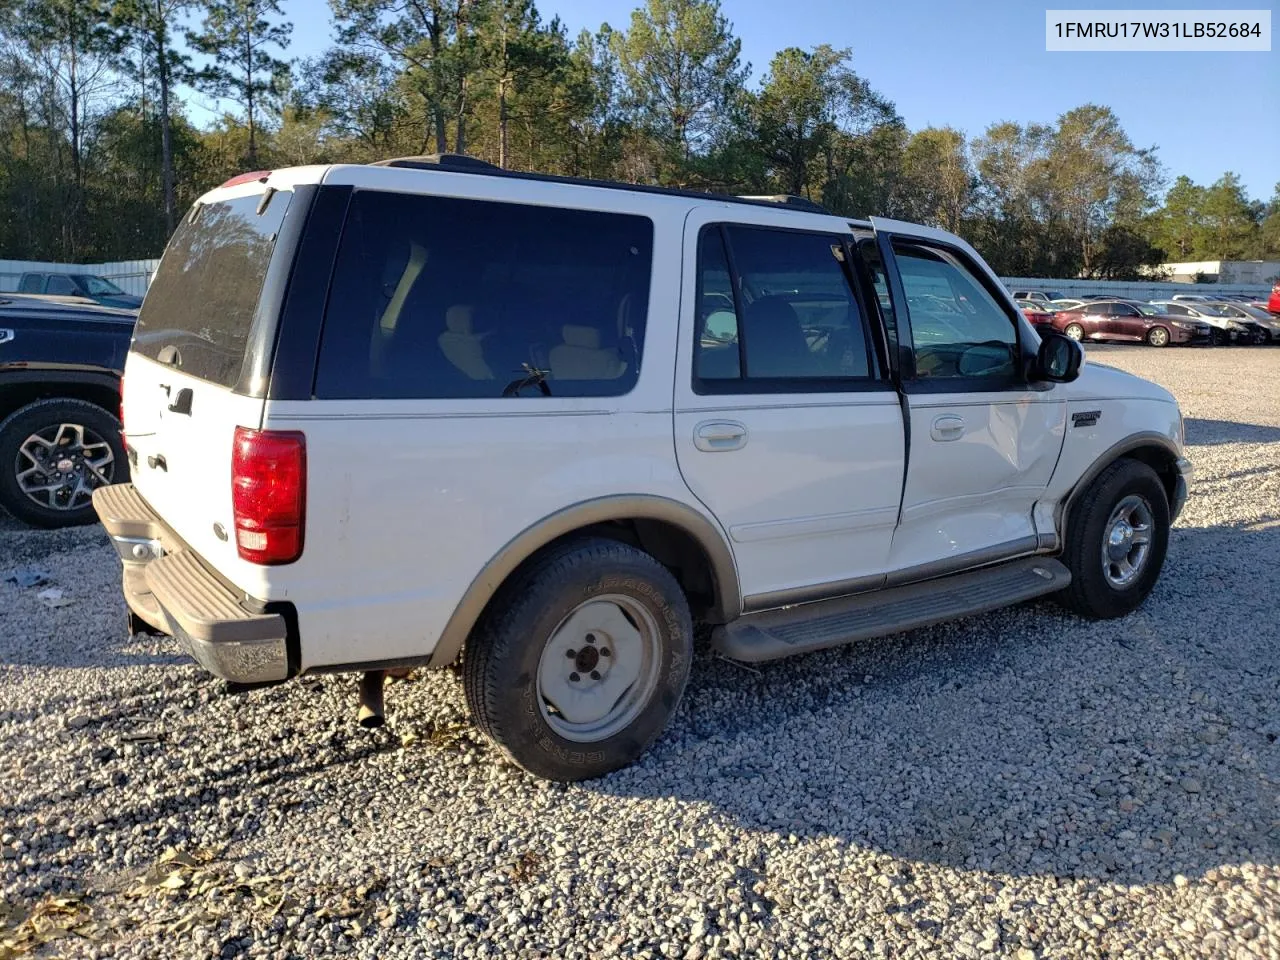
[1274, 303]
[1125, 321]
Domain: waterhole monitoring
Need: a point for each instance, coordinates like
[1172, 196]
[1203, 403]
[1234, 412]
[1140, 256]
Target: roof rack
[789, 200]
[462, 163]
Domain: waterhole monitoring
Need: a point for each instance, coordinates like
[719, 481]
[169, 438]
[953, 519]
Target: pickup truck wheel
[580, 660]
[53, 455]
[1117, 541]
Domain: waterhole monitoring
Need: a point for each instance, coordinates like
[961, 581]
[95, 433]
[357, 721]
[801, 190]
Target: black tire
[42, 415]
[1091, 594]
[501, 660]
[1074, 331]
[1158, 337]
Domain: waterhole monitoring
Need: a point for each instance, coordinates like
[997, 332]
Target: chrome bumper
[168, 586]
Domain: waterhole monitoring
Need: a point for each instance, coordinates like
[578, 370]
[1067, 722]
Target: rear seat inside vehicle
[583, 356]
[461, 345]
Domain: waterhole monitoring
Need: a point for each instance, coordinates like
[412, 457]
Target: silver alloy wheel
[1126, 541]
[599, 669]
[1158, 336]
[59, 467]
[1074, 331]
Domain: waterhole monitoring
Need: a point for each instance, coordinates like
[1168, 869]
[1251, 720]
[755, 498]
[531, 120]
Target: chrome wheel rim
[1126, 541]
[59, 467]
[1075, 332]
[599, 669]
[1159, 337]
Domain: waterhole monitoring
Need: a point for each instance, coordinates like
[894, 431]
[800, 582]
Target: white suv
[389, 415]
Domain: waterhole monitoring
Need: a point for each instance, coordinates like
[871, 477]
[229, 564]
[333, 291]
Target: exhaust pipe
[371, 713]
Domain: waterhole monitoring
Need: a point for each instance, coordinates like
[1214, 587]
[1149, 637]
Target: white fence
[131, 276]
[1137, 290]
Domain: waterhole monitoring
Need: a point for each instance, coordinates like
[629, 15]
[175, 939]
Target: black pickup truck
[60, 370]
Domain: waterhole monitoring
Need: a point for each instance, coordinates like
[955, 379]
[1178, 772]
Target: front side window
[958, 330]
[441, 297]
[784, 315]
[61, 286]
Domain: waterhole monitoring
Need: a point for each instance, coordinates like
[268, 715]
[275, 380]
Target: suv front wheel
[1116, 541]
[580, 660]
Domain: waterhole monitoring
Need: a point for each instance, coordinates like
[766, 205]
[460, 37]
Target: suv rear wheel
[1116, 542]
[53, 455]
[580, 660]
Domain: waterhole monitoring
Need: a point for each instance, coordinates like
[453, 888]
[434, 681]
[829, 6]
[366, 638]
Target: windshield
[205, 294]
[97, 286]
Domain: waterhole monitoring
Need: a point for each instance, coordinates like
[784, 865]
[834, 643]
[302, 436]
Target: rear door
[196, 367]
[786, 426]
[983, 441]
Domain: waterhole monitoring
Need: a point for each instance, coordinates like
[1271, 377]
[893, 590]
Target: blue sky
[968, 64]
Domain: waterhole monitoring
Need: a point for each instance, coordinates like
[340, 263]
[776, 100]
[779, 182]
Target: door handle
[715, 436]
[947, 428]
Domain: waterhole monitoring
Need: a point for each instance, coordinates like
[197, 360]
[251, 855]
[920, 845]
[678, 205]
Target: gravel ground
[1023, 784]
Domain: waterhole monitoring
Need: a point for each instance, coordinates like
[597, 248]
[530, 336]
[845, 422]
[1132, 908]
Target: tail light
[268, 494]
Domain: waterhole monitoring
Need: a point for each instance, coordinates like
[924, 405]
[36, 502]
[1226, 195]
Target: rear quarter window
[204, 297]
[439, 297]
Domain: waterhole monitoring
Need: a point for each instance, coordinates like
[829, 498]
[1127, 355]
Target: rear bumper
[1181, 488]
[169, 587]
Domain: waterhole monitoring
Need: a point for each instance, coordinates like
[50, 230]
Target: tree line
[99, 154]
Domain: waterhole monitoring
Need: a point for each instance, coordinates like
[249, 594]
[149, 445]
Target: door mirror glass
[1059, 359]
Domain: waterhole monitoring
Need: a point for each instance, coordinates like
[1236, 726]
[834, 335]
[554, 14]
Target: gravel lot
[1023, 784]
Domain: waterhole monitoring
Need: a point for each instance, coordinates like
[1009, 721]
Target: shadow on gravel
[1024, 742]
[1207, 432]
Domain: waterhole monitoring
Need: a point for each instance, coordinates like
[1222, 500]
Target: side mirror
[1059, 358]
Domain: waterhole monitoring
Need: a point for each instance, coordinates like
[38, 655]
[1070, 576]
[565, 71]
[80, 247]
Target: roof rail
[439, 161]
[462, 163]
[788, 200]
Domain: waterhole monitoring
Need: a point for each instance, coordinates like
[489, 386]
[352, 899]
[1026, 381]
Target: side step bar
[773, 634]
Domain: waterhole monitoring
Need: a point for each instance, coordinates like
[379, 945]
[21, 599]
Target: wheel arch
[18, 391]
[1154, 449]
[679, 537]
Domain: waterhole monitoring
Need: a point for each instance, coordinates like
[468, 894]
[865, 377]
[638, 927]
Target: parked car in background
[1038, 314]
[1066, 303]
[1040, 296]
[1192, 297]
[60, 369]
[1273, 304]
[1224, 329]
[85, 286]
[1124, 321]
[1264, 326]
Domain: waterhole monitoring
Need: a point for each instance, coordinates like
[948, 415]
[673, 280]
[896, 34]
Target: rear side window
[32, 283]
[60, 286]
[440, 297]
[202, 301]
[781, 317]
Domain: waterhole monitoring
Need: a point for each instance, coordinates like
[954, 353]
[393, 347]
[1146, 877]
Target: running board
[773, 634]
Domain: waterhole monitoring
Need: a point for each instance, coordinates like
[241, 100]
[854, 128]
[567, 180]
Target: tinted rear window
[437, 297]
[204, 296]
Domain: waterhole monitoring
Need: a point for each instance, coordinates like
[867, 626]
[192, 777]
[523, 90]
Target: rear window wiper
[533, 377]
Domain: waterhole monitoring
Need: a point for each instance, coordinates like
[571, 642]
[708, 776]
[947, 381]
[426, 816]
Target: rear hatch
[197, 365]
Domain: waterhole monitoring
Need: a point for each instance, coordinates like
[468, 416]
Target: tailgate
[197, 365]
[183, 466]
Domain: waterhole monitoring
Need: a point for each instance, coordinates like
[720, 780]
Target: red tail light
[269, 494]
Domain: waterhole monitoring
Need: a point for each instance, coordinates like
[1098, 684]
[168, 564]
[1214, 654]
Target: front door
[983, 441]
[786, 425]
